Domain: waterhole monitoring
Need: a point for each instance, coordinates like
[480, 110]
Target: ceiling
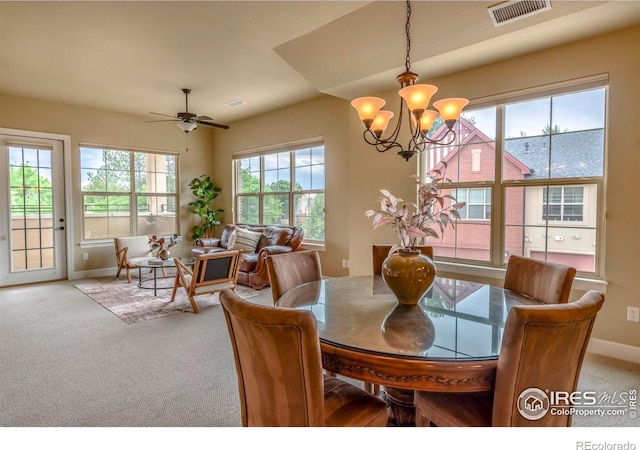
[134, 57]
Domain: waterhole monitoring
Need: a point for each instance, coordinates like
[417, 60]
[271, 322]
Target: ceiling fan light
[187, 126]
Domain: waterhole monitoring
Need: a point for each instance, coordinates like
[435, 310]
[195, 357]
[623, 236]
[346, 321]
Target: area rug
[133, 304]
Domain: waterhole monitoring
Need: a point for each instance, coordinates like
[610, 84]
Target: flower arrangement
[158, 243]
[413, 221]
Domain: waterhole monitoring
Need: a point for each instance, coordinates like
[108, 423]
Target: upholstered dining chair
[211, 273]
[543, 348]
[380, 253]
[544, 281]
[279, 368]
[288, 270]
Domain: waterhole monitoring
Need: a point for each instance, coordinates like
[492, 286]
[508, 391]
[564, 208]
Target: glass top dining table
[449, 341]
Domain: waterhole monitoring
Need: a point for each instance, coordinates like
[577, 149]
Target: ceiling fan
[187, 121]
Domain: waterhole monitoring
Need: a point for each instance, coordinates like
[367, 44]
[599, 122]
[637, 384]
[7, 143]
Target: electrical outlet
[85, 256]
[633, 314]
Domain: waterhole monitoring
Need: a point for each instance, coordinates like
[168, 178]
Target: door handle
[59, 228]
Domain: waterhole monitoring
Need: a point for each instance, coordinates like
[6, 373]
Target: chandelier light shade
[414, 101]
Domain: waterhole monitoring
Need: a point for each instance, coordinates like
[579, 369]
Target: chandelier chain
[407, 63]
[420, 117]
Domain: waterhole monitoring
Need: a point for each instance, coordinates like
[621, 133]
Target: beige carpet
[133, 304]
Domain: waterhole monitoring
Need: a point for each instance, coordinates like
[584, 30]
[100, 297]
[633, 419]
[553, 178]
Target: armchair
[130, 251]
[211, 273]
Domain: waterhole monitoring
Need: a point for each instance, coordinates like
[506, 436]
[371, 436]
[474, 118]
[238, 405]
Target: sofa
[270, 240]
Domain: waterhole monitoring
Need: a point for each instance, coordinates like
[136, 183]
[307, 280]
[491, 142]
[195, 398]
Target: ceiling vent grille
[511, 11]
[235, 102]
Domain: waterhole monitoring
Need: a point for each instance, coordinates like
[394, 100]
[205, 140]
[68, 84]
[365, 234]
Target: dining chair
[279, 368]
[380, 253]
[211, 273]
[545, 281]
[288, 270]
[543, 347]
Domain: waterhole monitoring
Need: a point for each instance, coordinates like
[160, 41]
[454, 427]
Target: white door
[33, 226]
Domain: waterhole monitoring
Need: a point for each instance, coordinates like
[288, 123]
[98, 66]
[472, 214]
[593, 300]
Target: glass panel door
[33, 238]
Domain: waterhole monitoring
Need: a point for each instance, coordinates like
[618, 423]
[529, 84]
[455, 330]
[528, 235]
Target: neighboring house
[559, 220]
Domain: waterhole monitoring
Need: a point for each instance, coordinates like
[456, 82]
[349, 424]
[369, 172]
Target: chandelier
[416, 97]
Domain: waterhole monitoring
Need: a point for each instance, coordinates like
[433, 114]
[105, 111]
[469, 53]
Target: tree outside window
[283, 188]
[127, 193]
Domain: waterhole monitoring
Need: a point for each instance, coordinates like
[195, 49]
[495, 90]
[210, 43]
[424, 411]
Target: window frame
[131, 194]
[499, 185]
[544, 216]
[486, 204]
[291, 194]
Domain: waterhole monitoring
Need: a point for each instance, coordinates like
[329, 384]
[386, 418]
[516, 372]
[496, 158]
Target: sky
[571, 112]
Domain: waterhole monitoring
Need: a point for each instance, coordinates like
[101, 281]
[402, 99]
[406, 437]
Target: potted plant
[407, 272]
[205, 192]
[158, 244]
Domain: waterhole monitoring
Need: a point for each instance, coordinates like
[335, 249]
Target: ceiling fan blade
[166, 115]
[212, 124]
[204, 118]
[163, 120]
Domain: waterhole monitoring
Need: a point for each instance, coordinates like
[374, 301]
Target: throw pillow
[245, 240]
[232, 239]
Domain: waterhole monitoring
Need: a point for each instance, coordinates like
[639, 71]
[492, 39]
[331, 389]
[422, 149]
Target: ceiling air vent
[511, 11]
[235, 102]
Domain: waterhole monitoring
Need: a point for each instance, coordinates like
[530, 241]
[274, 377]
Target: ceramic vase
[409, 274]
[164, 254]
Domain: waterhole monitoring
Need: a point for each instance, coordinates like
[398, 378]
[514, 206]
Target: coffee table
[153, 264]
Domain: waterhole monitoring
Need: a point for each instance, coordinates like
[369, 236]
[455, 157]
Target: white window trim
[108, 242]
[497, 273]
[273, 149]
[563, 87]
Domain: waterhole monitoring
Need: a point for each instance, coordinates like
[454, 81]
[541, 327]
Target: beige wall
[356, 172]
[86, 125]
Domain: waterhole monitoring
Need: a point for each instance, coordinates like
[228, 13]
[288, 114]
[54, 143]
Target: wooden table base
[400, 409]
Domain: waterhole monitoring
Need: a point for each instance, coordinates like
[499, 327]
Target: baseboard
[95, 273]
[614, 350]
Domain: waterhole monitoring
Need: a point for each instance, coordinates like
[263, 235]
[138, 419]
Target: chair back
[288, 270]
[278, 363]
[380, 253]
[543, 347]
[216, 268]
[137, 247]
[544, 281]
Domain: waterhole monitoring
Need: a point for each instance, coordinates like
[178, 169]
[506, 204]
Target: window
[284, 187]
[127, 193]
[478, 203]
[475, 159]
[538, 187]
[563, 203]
